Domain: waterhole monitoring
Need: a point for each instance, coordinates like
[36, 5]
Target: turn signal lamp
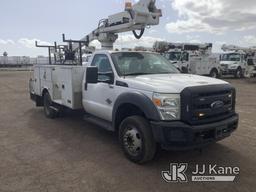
[157, 102]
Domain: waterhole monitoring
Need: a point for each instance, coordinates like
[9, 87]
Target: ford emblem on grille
[217, 104]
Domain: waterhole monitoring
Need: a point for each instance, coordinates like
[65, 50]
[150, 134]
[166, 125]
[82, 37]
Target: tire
[136, 139]
[48, 111]
[239, 73]
[214, 73]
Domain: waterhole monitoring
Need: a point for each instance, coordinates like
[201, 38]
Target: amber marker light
[128, 5]
[157, 102]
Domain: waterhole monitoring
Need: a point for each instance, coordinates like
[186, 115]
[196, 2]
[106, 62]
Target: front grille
[207, 104]
[224, 67]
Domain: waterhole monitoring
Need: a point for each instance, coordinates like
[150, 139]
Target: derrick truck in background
[238, 61]
[193, 58]
[137, 94]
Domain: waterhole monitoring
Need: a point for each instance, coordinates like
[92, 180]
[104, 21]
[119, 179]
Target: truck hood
[229, 62]
[169, 83]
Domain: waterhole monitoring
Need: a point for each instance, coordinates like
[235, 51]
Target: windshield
[141, 63]
[173, 56]
[230, 57]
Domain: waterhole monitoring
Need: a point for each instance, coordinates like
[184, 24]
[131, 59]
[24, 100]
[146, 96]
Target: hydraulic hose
[138, 36]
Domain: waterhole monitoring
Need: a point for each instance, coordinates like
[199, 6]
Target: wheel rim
[214, 75]
[132, 141]
[238, 73]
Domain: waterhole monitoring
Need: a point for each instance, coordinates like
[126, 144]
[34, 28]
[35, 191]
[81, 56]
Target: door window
[104, 67]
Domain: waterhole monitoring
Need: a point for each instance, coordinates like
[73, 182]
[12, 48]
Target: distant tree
[5, 54]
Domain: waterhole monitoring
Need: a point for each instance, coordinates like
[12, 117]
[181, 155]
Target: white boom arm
[136, 17]
[162, 46]
[237, 48]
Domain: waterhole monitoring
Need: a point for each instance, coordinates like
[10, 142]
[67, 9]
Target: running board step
[99, 122]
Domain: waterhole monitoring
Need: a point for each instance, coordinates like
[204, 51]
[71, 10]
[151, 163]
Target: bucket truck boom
[134, 17]
[237, 48]
[195, 58]
[161, 46]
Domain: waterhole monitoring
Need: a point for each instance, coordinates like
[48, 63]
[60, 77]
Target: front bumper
[181, 136]
[228, 71]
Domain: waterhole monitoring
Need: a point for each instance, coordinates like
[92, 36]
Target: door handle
[111, 86]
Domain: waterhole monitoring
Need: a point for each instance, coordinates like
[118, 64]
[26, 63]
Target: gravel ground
[68, 154]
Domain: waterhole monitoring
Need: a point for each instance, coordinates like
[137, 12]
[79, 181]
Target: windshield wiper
[135, 74]
[166, 72]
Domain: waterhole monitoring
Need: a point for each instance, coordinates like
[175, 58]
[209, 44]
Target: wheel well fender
[214, 69]
[131, 102]
[239, 68]
[45, 90]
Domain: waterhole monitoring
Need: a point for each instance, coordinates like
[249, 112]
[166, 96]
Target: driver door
[98, 98]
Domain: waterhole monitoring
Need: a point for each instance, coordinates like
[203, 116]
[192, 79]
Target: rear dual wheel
[214, 73]
[49, 111]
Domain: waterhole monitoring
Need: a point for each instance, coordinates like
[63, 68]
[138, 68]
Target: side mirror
[92, 75]
[250, 62]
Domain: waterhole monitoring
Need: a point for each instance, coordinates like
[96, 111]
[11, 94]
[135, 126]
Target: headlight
[233, 66]
[168, 105]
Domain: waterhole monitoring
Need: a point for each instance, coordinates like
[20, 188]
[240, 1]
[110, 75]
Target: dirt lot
[68, 154]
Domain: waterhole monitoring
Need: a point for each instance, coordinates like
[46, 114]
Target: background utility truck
[238, 61]
[137, 94]
[190, 58]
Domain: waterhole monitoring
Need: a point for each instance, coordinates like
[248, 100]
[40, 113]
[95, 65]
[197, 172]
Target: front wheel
[239, 73]
[136, 139]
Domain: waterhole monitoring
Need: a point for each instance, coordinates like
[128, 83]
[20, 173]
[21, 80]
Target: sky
[195, 21]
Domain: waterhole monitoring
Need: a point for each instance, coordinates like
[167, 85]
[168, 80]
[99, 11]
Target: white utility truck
[238, 61]
[137, 94]
[193, 58]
